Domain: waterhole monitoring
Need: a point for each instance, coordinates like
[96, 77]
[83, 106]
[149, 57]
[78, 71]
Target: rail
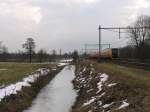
[144, 64]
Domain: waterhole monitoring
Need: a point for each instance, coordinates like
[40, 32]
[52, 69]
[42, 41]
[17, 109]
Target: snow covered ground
[66, 60]
[62, 62]
[14, 88]
[124, 104]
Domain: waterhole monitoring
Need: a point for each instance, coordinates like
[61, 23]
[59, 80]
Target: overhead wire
[115, 31]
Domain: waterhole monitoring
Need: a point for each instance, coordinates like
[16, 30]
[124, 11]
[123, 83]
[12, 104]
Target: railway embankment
[107, 87]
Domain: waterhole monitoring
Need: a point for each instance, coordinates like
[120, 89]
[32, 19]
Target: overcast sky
[65, 24]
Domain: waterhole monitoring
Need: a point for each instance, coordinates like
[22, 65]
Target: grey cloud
[66, 24]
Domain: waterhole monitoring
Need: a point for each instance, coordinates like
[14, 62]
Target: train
[108, 53]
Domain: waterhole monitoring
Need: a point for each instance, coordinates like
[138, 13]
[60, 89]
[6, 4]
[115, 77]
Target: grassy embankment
[14, 72]
[128, 75]
[132, 84]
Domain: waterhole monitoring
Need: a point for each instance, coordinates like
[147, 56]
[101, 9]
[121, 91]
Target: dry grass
[131, 76]
[13, 72]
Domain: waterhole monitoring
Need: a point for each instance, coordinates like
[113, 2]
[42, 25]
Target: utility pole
[99, 42]
[60, 52]
[85, 48]
[109, 46]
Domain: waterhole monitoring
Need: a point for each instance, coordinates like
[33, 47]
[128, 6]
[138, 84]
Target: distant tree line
[139, 40]
[30, 55]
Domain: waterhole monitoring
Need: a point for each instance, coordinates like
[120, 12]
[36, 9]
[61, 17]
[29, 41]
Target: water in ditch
[58, 95]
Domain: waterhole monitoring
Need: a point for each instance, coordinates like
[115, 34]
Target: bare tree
[75, 56]
[29, 45]
[140, 37]
[1, 47]
[54, 55]
[54, 52]
[41, 54]
[3, 52]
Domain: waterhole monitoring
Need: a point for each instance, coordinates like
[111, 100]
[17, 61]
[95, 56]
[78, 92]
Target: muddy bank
[23, 99]
[100, 90]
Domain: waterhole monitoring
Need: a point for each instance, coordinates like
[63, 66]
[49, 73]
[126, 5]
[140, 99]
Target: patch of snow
[89, 90]
[91, 72]
[62, 64]
[90, 101]
[101, 95]
[99, 86]
[82, 80]
[104, 77]
[124, 104]
[80, 73]
[13, 88]
[85, 85]
[100, 103]
[3, 69]
[84, 69]
[90, 111]
[99, 73]
[54, 69]
[66, 60]
[108, 111]
[113, 84]
[91, 65]
[108, 105]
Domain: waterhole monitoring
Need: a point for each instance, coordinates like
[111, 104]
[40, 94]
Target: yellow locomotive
[109, 53]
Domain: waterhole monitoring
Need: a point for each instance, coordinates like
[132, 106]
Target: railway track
[144, 64]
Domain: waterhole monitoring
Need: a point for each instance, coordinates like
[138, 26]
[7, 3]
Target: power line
[94, 44]
[115, 31]
[118, 31]
[142, 27]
